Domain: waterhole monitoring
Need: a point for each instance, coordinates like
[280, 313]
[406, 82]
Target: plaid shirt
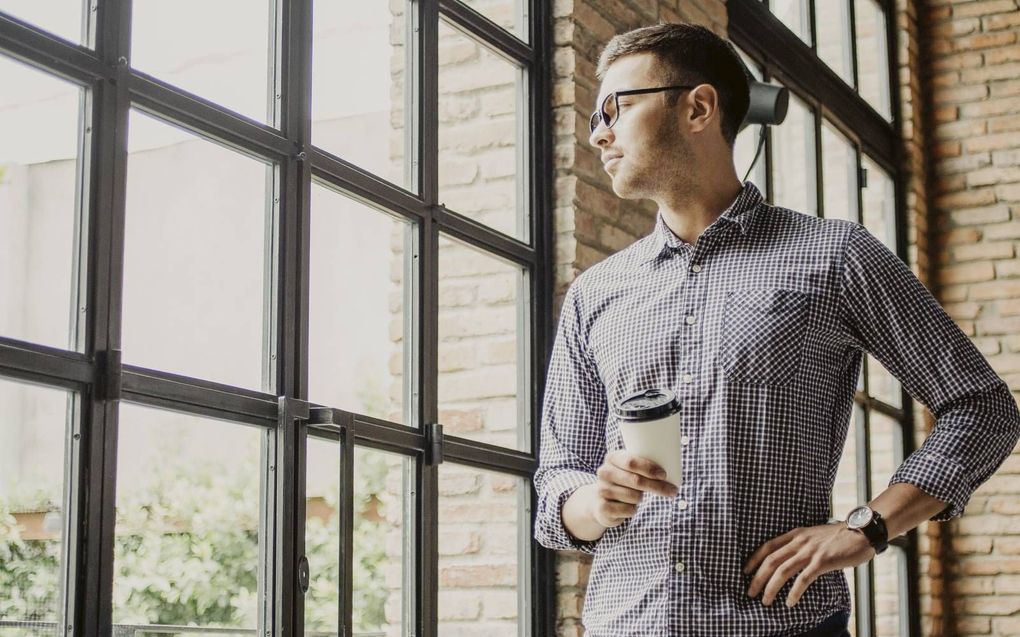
[760, 328]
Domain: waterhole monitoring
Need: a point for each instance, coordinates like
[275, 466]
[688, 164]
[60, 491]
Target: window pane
[839, 175]
[883, 385]
[482, 365]
[832, 26]
[844, 492]
[747, 141]
[39, 230]
[872, 56]
[225, 59]
[383, 564]
[481, 174]
[359, 334]
[483, 559]
[195, 256]
[186, 541]
[795, 14]
[793, 154]
[509, 14]
[890, 607]
[358, 108]
[63, 18]
[879, 196]
[34, 426]
[886, 450]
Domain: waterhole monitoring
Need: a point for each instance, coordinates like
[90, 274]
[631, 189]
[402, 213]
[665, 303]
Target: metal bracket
[303, 574]
[292, 409]
[434, 444]
[109, 375]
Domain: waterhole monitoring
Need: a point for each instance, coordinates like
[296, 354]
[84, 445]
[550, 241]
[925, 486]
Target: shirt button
[688, 378]
[691, 320]
[682, 504]
[696, 268]
[679, 567]
[685, 440]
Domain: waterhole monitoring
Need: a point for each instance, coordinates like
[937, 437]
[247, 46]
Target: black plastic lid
[650, 404]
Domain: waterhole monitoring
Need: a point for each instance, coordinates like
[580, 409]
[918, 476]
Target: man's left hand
[810, 551]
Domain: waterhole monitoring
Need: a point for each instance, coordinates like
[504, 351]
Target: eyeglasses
[609, 112]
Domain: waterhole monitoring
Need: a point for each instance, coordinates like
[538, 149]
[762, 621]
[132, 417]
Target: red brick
[967, 273]
[982, 8]
[973, 216]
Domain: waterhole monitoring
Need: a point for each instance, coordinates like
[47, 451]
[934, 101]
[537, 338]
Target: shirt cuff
[938, 476]
[549, 529]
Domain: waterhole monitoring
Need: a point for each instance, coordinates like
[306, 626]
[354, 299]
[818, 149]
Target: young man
[756, 317]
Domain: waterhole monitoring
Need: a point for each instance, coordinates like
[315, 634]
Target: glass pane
[886, 450]
[879, 196]
[793, 149]
[883, 385]
[39, 167]
[64, 18]
[746, 145]
[227, 50]
[872, 56]
[483, 569]
[482, 368]
[359, 334]
[509, 14]
[34, 427]
[382, 556]
[844, 491]
[839, 175]
[832, 26]
[795, 14]
[889, 605]
[358, 109]
[481, 174]
[186, 540]
[195, 256]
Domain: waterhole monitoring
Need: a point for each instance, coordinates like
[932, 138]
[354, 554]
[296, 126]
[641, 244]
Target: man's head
[665, 136]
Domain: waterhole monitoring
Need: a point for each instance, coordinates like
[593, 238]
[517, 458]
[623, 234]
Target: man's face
[645, 151]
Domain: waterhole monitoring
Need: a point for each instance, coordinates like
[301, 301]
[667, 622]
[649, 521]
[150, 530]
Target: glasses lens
[593, 122]
[609, 111]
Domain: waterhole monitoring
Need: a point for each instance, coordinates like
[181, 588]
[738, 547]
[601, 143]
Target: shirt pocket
[763, 335]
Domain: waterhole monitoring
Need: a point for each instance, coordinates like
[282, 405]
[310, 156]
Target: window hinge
[109, 375]
[434, 444]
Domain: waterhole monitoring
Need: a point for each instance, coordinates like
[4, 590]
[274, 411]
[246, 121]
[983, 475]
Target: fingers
[609, 513]
[765, 549]
[769, 566]
[626, 470]
[783, 573]
[806, 578]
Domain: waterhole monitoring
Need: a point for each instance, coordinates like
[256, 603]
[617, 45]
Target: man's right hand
[622, 480]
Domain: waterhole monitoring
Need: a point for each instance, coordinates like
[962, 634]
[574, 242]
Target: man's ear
[703, 102]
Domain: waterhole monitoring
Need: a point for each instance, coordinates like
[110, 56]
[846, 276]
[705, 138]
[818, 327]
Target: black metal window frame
[785, 57]
[100, 381]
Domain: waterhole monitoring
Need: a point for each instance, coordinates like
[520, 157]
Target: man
[756, 317]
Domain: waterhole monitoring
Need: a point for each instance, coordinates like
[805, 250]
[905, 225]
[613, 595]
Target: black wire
[761, 142]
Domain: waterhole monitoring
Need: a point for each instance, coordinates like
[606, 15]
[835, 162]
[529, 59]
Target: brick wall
[973, 69]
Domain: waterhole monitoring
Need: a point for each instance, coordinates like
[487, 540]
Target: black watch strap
[876, 533]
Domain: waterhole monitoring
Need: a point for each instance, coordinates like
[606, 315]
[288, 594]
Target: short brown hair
[690, 54]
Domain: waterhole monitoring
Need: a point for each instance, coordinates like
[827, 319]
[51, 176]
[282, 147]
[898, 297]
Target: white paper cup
[649, 422]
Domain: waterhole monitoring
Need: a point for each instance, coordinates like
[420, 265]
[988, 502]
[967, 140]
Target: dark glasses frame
[600, 114]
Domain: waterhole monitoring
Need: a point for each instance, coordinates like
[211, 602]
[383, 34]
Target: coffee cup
[649, 422]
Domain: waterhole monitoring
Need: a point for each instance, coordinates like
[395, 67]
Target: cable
[761, 142]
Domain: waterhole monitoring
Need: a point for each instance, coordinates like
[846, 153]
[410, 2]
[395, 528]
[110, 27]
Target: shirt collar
[741, 213]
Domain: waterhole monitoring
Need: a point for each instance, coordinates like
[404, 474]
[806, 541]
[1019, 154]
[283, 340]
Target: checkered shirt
[760, 329]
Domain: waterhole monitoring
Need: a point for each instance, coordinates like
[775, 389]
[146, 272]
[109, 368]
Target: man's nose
[601, 135]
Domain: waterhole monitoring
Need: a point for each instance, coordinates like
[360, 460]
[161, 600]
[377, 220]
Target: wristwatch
[870, 523]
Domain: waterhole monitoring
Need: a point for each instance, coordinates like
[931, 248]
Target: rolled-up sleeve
[574, 412]
[887, 312]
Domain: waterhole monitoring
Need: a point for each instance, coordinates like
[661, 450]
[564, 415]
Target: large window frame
[785, 57]
[112, 88]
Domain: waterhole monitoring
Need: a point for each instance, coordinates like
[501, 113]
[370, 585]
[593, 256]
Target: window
[834, 157]
[272, 308]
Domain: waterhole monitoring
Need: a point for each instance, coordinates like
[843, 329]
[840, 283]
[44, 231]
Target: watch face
[859, 517]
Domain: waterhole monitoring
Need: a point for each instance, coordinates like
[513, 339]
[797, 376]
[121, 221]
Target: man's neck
[690, 212]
